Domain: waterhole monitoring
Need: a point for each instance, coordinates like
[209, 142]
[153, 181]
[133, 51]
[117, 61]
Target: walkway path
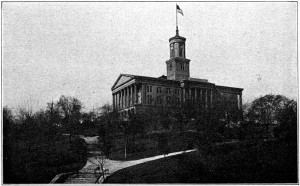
[87, 175]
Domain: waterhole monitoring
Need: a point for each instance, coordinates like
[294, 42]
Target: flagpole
[176, 20]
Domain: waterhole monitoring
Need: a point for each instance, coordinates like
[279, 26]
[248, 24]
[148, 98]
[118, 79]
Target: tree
[8, 143]
[287, 118]
[46, 121]
[265, 110]
[100, 162]
[69, 109]
[107, 125]
[8, 121]
[88, 120]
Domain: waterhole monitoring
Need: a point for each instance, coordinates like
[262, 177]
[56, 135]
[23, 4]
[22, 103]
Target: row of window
[159, 90]
[160, 99]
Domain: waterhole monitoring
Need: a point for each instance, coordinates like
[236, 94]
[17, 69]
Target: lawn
[167, 170]
[268, 162]
[143, 146]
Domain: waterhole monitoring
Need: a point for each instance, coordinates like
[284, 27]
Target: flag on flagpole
[179, 10]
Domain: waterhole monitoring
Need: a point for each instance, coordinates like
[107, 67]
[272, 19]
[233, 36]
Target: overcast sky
[80, 48]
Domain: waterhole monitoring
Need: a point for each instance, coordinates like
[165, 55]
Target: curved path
[87, 174]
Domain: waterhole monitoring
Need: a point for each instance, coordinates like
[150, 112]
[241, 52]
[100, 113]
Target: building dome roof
[177, 36]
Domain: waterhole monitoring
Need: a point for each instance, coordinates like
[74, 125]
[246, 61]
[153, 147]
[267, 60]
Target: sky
[79, 49]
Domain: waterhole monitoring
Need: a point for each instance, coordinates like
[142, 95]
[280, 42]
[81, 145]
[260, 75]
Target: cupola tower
[178, 67]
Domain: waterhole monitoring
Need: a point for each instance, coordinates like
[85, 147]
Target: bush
[136, 147]
[78, 146]
[192, 169]
[225, 147]
[42, 161]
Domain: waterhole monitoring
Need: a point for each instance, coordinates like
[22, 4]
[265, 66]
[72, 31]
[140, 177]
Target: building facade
[132, 93]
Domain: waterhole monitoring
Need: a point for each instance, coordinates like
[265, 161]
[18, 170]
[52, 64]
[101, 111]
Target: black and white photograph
[160, 92]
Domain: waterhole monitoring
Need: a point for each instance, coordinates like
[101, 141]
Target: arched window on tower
[172, 50]
[181, 50]
[176, 49]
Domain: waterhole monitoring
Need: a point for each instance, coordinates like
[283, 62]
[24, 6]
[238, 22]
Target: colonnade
[204, 95]
[129, 96]
[126, 97]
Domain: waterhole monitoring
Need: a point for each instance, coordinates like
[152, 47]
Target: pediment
[123, 78]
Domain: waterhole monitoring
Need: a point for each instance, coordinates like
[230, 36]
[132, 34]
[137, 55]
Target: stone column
[241, 102]
[201, 94]
[143, 98]
[114, 103]
[132, 91]
[123, 98]
[119, 99]
[133, 94]
[116, 100]
[129, 96]
[206, 90]
[183, 94]
[136, 93]
[211, 97]
[126, 97]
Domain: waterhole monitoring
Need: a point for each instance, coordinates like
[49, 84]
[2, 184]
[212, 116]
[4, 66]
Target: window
[182, 66]
[158, 89]
[181, 51]
[178, 100]
[159, 100]
[149, 99]
[203, 95]
[177, 91]
[149, 88]
[172, 50]
[139, 97]
[168, 91]
[170, 66]
[168, 99]
[208, 96]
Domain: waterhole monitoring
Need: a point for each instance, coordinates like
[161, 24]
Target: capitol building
[132, 93]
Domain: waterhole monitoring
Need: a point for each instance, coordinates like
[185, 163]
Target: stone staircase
[83, 177]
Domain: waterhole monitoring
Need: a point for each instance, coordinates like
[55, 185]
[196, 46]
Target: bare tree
[100, 162]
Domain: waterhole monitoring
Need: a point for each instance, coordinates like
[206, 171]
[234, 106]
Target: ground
[87, 173]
